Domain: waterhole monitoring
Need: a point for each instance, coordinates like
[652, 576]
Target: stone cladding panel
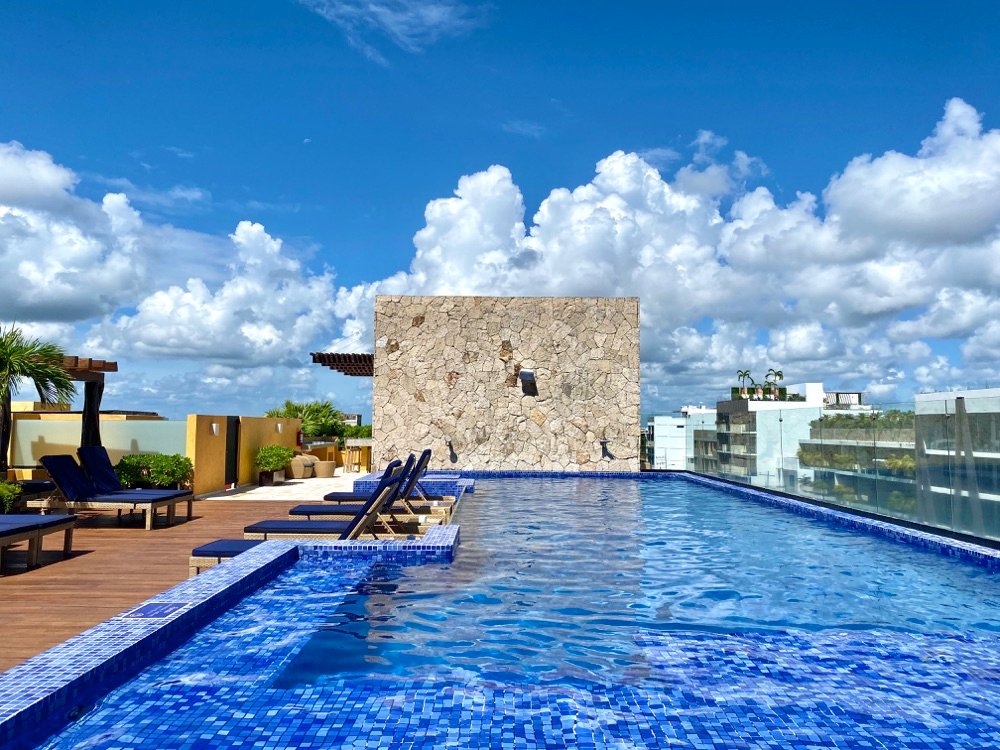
[446, 369]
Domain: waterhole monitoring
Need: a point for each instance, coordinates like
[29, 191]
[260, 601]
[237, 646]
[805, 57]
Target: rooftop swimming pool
[591, 613]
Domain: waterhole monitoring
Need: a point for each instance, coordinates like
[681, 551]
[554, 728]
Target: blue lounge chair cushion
[340, 497]
[36, 486]
[78, 487]
[300, 527]
[225, 547]
[316, 509]
[29, 522]
[97, 464]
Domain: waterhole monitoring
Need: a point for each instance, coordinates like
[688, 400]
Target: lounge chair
[97, 463]
[213, 553]
[415, 491]
[28, 528]
[80, 493]
[406, 511]
[361, 524]
[355, 497]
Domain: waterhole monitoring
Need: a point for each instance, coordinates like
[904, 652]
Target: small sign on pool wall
[155, 610]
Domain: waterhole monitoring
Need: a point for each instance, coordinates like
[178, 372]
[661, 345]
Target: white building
[670, 440]
[758, 439]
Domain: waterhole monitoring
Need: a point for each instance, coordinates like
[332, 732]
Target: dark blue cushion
[29, 522]
[332, 509]
[299, 527]
[340, 497]
[69, 477]
[97, 463]
[225, 547]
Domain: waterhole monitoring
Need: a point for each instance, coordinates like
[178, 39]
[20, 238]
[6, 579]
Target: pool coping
[43, 694]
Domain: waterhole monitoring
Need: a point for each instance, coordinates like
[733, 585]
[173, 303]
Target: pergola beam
[91, 373]
[357, 365]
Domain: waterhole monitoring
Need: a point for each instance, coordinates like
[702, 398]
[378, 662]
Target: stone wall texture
[447, 368]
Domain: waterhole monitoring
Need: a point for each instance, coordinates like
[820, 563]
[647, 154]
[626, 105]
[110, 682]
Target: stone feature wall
[447, 369]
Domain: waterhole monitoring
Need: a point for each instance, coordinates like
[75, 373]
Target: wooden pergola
[358, 365]
[91, 373]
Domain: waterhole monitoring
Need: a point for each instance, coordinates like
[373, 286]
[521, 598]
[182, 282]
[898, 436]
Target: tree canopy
[24, 359]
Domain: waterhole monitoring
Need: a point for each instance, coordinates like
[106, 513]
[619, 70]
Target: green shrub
[154, 470]
[273, 457]
[9, 493]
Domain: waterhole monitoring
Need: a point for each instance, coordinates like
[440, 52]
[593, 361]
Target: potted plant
[271, 461]
[9, 493]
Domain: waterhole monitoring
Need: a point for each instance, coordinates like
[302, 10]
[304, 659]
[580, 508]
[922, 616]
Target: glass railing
[33, 439]
[935, 462]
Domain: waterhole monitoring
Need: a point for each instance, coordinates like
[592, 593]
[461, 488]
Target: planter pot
[270, 478]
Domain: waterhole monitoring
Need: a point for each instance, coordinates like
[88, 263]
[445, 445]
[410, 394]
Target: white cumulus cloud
[902, 248]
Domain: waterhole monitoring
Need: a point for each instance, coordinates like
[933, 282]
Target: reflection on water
[555, 580]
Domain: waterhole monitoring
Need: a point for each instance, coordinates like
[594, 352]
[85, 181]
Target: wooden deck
[113, 567]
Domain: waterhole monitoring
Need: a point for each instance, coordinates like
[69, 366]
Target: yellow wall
[206, 447]
[256, 432]
[21, 406]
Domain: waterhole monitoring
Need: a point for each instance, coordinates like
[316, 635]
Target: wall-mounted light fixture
[605, 453]
[452, 456]
[279, 427]
[528, 385]
[213, 429]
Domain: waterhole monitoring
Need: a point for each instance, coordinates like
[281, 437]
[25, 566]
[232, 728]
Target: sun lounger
[213, 553]
[79, 493]
[97, 464]
[363, 523]
[28, 528]
[355, 497]
[412, 493]
[404, 512]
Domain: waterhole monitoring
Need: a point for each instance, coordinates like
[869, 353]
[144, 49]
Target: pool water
[557, 578]
[592, 613]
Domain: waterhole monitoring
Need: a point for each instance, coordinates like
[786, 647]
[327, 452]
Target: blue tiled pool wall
[46, 692]
[432, 484]
[775, 691]
[438, 545]
[712, 691]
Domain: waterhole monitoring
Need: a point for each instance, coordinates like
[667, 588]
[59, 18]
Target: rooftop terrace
[114, 567]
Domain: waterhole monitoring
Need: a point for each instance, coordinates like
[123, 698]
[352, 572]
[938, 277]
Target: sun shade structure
[360, 365]
[91, 373]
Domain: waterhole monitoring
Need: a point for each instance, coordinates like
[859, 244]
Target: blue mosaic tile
[766, 690]
[51, 688]
[709, 690]
[432, 484]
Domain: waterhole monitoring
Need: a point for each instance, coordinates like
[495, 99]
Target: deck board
[112, 568]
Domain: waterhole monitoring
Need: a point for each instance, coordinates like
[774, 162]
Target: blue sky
[339, 127]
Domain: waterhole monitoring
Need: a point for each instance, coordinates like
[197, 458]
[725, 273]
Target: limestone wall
[446, 368]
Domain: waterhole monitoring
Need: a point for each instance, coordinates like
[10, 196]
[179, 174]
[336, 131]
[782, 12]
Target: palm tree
[742, 375]
[23, 359]
[319, 418]
[773, 377]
